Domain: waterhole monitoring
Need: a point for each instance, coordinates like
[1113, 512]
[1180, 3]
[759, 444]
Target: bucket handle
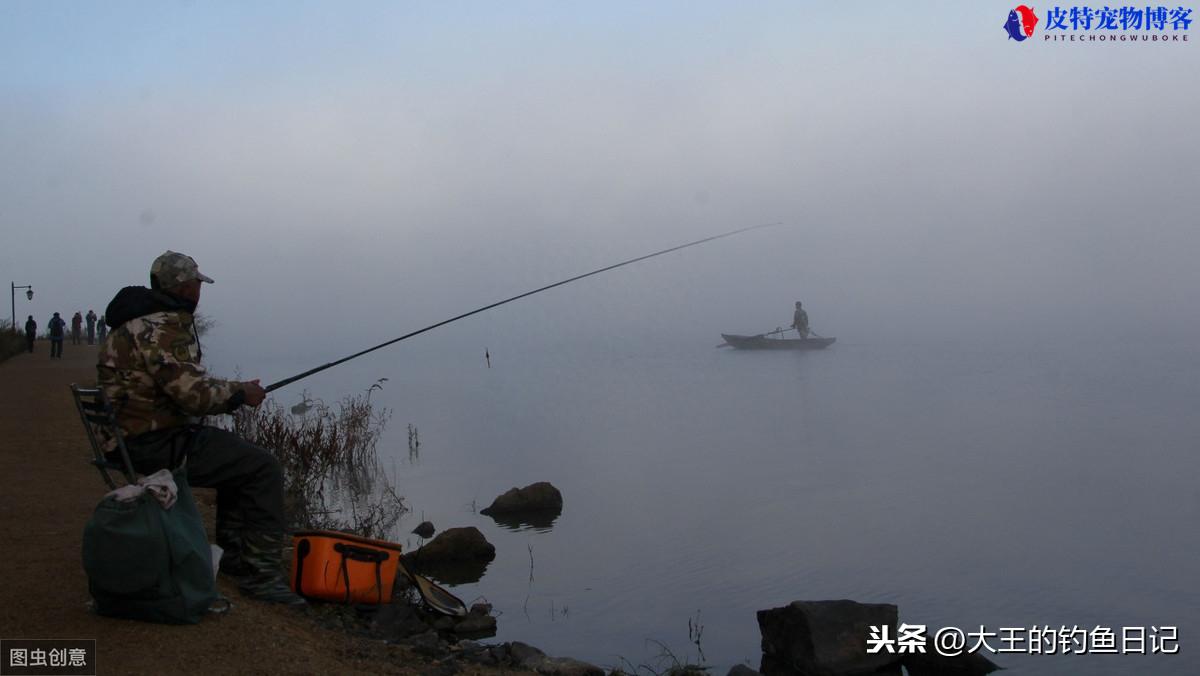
[365, 555]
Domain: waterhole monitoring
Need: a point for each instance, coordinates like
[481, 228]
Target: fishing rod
[287, 381]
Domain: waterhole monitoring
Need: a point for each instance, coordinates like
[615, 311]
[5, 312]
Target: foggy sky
[349, 172]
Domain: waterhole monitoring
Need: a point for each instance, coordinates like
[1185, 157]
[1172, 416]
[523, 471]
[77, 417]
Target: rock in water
[539, 497]
[824, 637]
[453, 545]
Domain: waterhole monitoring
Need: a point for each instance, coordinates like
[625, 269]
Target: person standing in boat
[800, 321]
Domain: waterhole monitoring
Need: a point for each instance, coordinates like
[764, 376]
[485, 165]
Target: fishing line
[287, 381]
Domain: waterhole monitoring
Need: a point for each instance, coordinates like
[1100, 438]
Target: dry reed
[332, 475]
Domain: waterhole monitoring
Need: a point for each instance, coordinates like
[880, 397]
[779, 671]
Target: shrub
[332, 475]
[11, 342]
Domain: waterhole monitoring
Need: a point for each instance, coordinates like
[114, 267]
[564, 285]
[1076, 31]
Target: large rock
[539, 497]
[454, 545]
[528, 657]
[825, 638]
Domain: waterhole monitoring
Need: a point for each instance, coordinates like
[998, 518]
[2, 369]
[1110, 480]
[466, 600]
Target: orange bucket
[335, 566]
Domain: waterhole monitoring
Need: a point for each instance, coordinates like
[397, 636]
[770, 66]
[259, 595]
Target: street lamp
[13, 298]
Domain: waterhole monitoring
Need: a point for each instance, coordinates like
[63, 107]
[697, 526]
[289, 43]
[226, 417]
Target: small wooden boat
[762, 342]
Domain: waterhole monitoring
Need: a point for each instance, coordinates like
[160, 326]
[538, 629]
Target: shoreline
[51, 494]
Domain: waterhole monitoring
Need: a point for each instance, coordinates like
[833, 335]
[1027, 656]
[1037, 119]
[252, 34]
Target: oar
[814, 333]
[434, 596]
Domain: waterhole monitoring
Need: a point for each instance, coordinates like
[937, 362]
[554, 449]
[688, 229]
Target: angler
[149, 366]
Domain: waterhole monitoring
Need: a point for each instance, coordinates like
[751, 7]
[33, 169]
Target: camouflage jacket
[149, 365]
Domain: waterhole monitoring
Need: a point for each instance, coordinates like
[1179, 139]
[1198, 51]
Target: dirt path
[48, 494]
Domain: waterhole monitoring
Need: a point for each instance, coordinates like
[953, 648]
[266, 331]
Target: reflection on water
[452, 573]
[540, 522]
[1005, 485]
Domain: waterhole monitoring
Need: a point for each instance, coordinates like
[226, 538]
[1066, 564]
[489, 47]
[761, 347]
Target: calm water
[1006, 485]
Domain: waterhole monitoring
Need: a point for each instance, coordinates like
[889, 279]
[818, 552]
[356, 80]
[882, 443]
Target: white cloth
[216, 558]
[160, 484]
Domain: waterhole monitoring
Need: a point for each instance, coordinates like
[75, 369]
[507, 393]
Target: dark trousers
[29, 338]
[248, 479]
[56, 348]
[91, 334]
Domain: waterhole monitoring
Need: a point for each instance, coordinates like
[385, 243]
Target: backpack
[144, 562]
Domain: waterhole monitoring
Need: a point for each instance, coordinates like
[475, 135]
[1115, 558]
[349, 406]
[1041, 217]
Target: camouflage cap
[173, 268]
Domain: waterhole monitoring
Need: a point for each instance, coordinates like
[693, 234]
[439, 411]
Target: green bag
[147, 563]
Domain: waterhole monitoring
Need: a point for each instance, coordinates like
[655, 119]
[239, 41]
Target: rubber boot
[262, 552]
[229, 538]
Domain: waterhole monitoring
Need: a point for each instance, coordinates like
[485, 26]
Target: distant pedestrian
[103, 330]
[30, 332]
[57, 328]
[91, 327]
[76, 328]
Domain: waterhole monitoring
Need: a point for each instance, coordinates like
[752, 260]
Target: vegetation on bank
[11, 342]
[333, 478]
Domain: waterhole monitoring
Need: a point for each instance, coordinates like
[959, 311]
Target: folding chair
[96, 412]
